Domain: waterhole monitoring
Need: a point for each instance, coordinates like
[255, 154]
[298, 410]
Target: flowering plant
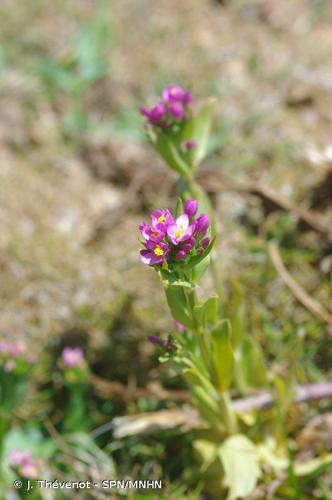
[15, 367]
[213, 354]
[75, 376]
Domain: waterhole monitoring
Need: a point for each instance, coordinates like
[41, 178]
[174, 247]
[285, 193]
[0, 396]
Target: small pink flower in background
[14, 353]
[30, 470]
[26, 465]
[4, 346]
[17, 457]
[9, 365]
[72, 357]
[18, 349]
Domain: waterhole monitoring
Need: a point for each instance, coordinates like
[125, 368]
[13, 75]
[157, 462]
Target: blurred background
[77, 176]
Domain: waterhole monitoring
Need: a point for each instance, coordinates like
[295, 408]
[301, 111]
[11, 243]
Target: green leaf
[285, 393]
[200, 268]
[198, 129]
[206, 314]
[239, 457]
[223, 354]
[210, 309]
[198, 314]
[252, 363]
[168, 151]
[238, 314]
[178, 305]
[171, 280]
[198, 258]
[207, 452]
[179, 207]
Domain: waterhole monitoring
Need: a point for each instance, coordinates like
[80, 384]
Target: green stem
[4, 424]
[228, 415]
[195, 191]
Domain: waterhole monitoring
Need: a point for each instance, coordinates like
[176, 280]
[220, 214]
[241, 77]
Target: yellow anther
[162, 218]
[158, 251]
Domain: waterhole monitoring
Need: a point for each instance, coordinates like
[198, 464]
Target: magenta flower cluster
[25, 464]
[169, 240]
[13, 354]
[172, 106]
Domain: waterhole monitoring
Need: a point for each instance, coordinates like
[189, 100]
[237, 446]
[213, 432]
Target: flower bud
[190, 144]
[179, 326]
[190, 207]
[155, 340]
[186, 248]
[206, 242]
[176, 109]
[154, 114]
[180, 255]
[202, 224]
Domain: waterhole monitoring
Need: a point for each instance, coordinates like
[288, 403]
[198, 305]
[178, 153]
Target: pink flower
[26, 465]
[72, 356]
[18, 457]
[30, 470]
[9, 366]
[153, 233]
[4, 346]
[181, 230]
[162, 216]
[17, 349]
[154, 253]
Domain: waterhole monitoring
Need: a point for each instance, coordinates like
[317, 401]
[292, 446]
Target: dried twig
[213, 181]
[188, 418]
[308, 302]
[110, 389]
